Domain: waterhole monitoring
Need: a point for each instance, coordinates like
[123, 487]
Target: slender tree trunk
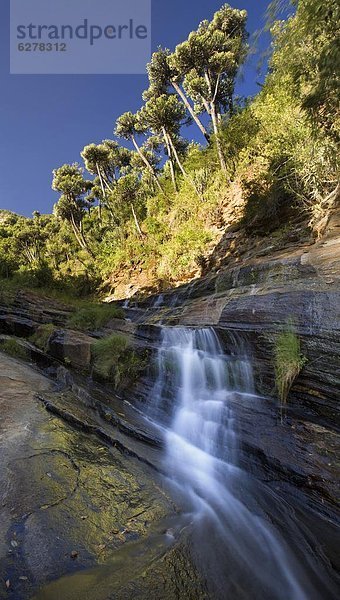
[107, 185]
[140, 232]
[175, 153]
[183, 171]
[213, 114]
[190, 109]
[172, 169]
[146, 162]
[80, 237]
[114, 219]
[103, 192]
[217, 137]
[76, 233]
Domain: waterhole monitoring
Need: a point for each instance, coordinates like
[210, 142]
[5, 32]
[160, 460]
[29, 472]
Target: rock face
[71, 500]
[256, 301]
[71, 347]
[249, 305]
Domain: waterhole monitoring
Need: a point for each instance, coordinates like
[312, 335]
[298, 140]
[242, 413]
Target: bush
[13, 348]
[94, 316]
[40, 277]
[115, 360]
[288, 362]
[80, 285]
[42, 335]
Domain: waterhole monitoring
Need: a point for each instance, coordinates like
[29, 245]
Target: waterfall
[198, 386]
[158, 301]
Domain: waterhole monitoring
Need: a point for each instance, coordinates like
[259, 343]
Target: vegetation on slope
[115, 360]
[94, 316]
[289, 361]
[156, 207]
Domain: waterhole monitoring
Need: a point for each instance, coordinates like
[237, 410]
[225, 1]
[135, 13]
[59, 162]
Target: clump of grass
[116, 361]
[42, 335]
[94, 316]
[7, 292]
[288, 362]
[15, 349]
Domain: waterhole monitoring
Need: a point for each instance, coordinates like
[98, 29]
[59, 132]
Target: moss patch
[115, 360]
[42, 335]
[13, 348]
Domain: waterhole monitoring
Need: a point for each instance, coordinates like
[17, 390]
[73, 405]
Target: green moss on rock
[116, 360]
[14, 348]
[42, 335]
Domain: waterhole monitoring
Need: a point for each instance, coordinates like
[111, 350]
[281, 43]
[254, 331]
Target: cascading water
[232, 537]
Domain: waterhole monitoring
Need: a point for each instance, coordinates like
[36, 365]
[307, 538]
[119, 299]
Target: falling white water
[198, 385]
[158, 301]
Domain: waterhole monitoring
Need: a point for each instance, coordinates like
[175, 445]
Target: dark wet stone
[64, 488]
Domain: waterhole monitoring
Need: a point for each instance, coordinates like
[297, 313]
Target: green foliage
[115, 360]
[180, 254]
[94, 316]
[308, 51]
[42, 335]
[288, 361]
[127, 126]
[13, 348]
[38, 277]
[210, 59]
[155, 209]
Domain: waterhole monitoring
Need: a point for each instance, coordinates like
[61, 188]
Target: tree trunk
[213, 113]
[146, 162]
[183, 171]
[172, 170]
[140, 233]
[175, 153]
[190, 109]
[76, 233]
[80, 237]
[103, 192]
[109, 208]
[217, 137]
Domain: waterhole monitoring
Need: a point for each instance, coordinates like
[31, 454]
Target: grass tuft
[94, 316]
[288, 362]
[13, 348]
[115, 360]
[42, 335]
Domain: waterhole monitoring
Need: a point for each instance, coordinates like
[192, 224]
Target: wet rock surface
[69, 500]
[253, 302]
[249, 305]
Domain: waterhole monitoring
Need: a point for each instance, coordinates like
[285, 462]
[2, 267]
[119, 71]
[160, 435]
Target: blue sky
[46, 120]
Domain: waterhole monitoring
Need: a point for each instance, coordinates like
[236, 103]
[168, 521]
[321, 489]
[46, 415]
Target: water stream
[232, 516]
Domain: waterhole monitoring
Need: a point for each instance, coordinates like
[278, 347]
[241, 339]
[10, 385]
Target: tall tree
[97, 159]
[68, 180]
[128, 193]
[127, 127]
[164, 115]
[30, 238]
[209, 60]
[162, 76]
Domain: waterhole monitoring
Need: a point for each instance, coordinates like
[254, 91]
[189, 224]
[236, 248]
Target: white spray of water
[198, 382]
